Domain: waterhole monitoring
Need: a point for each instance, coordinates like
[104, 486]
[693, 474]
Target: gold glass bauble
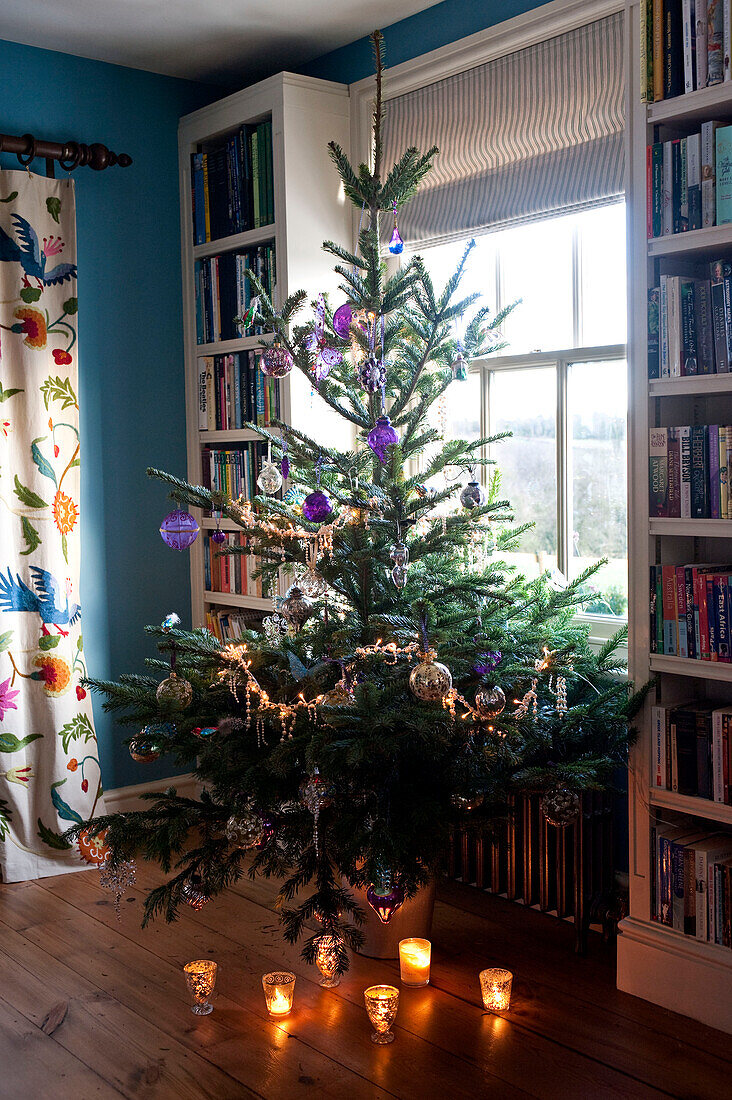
[175, 693]
[430, 680]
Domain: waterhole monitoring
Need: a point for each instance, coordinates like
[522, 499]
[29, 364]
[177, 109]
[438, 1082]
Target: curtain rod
[70, 155]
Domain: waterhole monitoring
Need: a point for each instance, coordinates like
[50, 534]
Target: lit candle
[495, 986]
[279, 992]
[414, 961]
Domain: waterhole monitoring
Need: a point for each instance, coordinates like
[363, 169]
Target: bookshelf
[656, 962]
[309, 207]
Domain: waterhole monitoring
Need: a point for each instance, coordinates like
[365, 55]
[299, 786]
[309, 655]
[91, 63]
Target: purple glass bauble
[385, 905]
[317, 506]
[218, 537]
[487, 662]
[275, 361]
[372, 375]
[396, 244]
[381, 436]
[179, 529]
[285, 466]
[342, 320]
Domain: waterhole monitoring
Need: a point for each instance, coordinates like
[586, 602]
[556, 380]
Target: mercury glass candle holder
[414, 961]
[201, 979]
[326, 959]
[382, 1002]
[495, 987]
[279, 992]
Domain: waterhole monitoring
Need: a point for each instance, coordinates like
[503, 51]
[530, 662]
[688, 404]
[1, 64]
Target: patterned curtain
[49, 766]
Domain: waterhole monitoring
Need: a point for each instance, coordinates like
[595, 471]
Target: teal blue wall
[437, 26]
[130, 344]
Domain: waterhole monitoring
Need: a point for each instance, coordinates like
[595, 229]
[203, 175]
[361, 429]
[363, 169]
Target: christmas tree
[410, 680]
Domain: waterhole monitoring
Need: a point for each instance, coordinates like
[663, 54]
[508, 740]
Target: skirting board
[677, 972]
[128, 798]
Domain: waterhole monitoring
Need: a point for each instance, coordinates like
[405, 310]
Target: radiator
[567, 873]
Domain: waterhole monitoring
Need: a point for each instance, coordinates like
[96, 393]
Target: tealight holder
[279, 992]
[326, 959]
[414, 961]
[201, 979]
[382, 1002]
[495, 987]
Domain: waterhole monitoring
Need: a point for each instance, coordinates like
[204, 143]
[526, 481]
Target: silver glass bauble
[311, 584]
[466, 802]
[270, 479]
[244, 830]
[193, 893]
[399, 555]
[174, 692]
[296, 607]
[430, 680]
[473, 495]
[490, 702]
[560, 806]
[399, 576]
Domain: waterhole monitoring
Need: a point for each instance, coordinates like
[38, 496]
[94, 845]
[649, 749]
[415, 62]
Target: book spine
[718, 317]
[676, 187]
[700, 601]
[677, 886]
[202, 408]
[670, 613]
[652, 605]
[657, 54]
[715, 42]
[684, 435]
[701, 43]
[656, 189]
[683, 645]
[699, 467]
[689, 355]
[711, 618]
[723, 172]
[690, 621]
[206, 198]
[673, 314]
[689, 44]
[704, 329]
[658, 471]
[684, 187]
[721, 596]
[659, 747]
[701, 872]
[693, 169]
[723, 487]
[717, 766]
[668, 188]
[703, 757]
[708, 161]
[674, 474]
[714, 494]
[659, 610]
[646, 55]
[726, 741]
[663, 328]
[673, 63]
[726, 38]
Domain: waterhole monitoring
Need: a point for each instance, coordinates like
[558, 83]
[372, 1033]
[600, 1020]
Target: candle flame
[279, 1004]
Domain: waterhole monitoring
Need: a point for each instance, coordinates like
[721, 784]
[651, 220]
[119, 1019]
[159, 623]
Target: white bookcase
[655, 962]
[309, 208]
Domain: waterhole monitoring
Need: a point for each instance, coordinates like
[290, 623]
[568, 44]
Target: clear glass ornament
[174, 692]
[560, 806]
[270, 479]
[490, 702]
[296, 607]
[473, 495]
[399, 555]
[326, 959]
[244, 830]
[399, 576]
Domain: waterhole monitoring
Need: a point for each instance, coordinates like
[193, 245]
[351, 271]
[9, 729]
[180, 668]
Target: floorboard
[93, 1006]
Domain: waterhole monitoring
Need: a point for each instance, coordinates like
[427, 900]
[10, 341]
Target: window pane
[463, 408]
[524, 402]
[602, 249]
[597, 408]
[536, 266]
[480, 271]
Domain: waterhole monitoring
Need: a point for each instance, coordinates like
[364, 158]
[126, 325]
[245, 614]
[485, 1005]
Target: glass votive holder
[279, 992]
[414, 961]
[201, 979]
[326, 960]
[382, 1002]
[495, 987]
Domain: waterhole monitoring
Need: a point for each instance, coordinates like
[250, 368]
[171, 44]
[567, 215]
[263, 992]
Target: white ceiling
[212, 40]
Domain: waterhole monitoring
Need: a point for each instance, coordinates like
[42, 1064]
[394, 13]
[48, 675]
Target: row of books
[231, 572]
[684, 45]
[691, 882]
[689, 181]
[234, 472]
[232, 185]
[232, 391]
[223, 291]
[687, 477]
[229, 625]
[691, 750]
[690, 324]
[690, 607]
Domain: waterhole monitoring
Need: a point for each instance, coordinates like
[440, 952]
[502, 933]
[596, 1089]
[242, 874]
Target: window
[560, 388]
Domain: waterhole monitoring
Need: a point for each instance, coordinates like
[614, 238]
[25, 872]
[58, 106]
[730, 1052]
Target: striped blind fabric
[525, 136]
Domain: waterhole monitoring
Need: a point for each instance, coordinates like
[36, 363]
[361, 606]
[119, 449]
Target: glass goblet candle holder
[414, 961]
[326, 959]
[279, 992]
[201, 979]
[495, 987]
[382, 1002]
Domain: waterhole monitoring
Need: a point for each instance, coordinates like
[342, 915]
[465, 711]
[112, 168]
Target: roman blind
[525, 136]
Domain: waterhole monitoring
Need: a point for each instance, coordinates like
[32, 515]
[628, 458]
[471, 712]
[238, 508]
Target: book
[668, 225]
[704, 329]
[657, 52]
[715, 42]
[723, 174]
[659, 721]
[689, 360]
[658, 471]
[701, 43]
[673, 496]
[719, 320]
[708, 163]
[707, 851]
[688, 34]
[654, 362]
[699, 466]
[673, 61]
[693, 177]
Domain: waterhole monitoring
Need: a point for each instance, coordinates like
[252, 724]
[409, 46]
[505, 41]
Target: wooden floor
[90, 1007]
